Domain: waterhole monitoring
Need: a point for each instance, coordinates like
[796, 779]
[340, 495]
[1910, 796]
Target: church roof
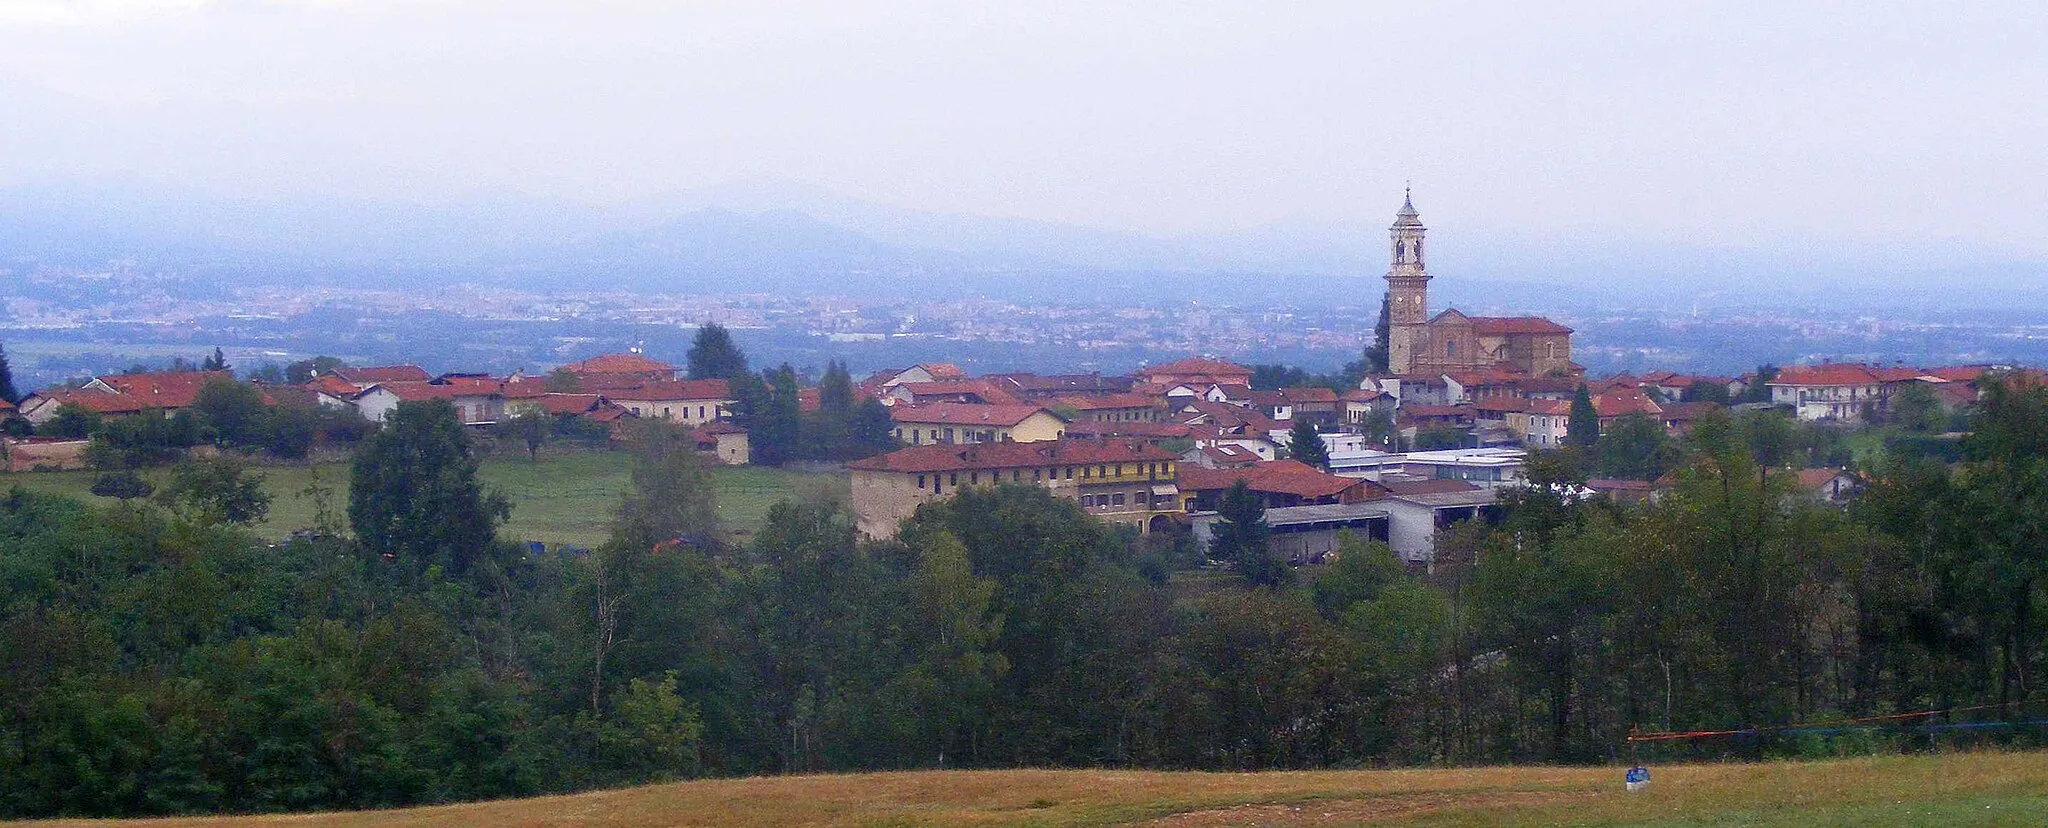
[1407, 217]
[1516, 325]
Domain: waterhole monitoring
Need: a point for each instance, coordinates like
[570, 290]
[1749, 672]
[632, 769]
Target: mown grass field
[1955, 789]
[563, 498]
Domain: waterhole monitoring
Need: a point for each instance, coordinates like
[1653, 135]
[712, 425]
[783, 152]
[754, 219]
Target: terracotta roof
[1836, 373]
[94, 400]
[1686, 411]
[5, 405]
[334, 386]
[1813, 479]
[1105, 401]
[717, 427]
[673, 390]
[1233, 416]
[1309, 394]
[1616, 402]
[1362, 395]
[942, 370]
[1150, 431]
[383, 373]
[1502, 404]
[948, 457]
[1275, 476]
[1197, 366]
[619, 364]
[1902, 374]
[168, 389]
[1499, 325]
[1228, 453]
[559, 404]
[1960, 373]
[988, 391]
[965, 414]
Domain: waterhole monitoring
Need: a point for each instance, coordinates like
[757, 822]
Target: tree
[216, 490]
[304, 370]
[234, 411]
[775, 428]
[713, 355]
[414, 495]
[289, 430]
[72, 421]
[563, 381]
[532, 427]
[1915, 408]
[1584, 429]
[1704, 391]
[122, 485]
[269, 373]
[217, 362]
[8, 392]
[1305, 445]
[1759, 390]
[670, 496]
[1240, 537]
[1376, 355]
[1635, 447]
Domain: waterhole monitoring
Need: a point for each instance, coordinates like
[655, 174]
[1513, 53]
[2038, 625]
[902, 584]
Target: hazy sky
[1769, 123]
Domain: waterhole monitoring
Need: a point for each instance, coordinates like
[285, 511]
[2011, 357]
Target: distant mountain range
[772, 236]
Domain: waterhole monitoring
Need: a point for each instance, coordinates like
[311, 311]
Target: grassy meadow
[1947, 790]
[563, 498]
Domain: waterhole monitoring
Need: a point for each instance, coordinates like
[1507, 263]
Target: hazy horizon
[1768, 127]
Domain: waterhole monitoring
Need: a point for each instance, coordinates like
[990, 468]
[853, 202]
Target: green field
[564, 498]
[1945, 790]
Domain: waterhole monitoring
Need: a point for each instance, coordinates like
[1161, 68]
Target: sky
[1767, 124]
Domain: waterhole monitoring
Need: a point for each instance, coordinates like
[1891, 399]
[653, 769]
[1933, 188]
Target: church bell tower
[1407, 289]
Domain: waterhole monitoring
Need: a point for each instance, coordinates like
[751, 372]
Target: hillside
[1957, 789]
[565, 498]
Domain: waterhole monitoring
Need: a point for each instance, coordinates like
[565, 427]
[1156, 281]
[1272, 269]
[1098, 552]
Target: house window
[973, 478]
[920, 481]
[1117, 499]
[665, 413]
[1087, 472]
[1070, 472]
[953, 479]
[1450, 349]
[1087, 501]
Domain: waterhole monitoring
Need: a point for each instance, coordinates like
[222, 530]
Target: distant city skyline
[1745, 125]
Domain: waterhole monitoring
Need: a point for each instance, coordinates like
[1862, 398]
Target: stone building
[1418, 343]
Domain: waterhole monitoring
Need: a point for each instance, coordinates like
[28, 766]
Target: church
[1419, 344]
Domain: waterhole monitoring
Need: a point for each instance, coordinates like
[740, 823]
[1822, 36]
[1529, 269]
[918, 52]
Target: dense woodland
[155, 657]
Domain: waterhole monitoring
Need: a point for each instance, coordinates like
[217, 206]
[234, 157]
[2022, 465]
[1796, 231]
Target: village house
[918, 425]
[615, 371]
[922, 372]
[123, 394]
[363, 378]
[688, 402]
[1278, 483]
[1112, 408]
[724, 442]
[1836, 391]
[1038, 387]
[1418, 510]
[476, 403]
[1196, 371]
[976, 391]
[1127, 483]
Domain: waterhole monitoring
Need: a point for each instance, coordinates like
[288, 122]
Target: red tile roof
[1836, 373]
[94, 400]
[1107, 401]
[964, 414]
[988, 391]
[674, 390]
[168, 389]
[561, 404]
[1288, 477]
[1197, 367]
[333, 386]
[1150, 431]
[5, 405]
[1309, 394]
[1618, 401]
[948, 457]
[1501, 325]
[620, 364]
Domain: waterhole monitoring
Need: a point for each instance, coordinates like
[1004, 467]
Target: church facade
[1451, 342]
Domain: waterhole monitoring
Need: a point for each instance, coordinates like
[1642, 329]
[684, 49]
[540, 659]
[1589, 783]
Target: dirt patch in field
[1367, 809]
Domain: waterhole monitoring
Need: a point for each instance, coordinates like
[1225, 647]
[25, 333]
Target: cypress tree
[7, 390]
[713, 355]
[1305, 444]
[1584, 429]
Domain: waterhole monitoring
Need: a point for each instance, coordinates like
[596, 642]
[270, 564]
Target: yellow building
[689, 402]
[919, 425]
[1121, 481]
